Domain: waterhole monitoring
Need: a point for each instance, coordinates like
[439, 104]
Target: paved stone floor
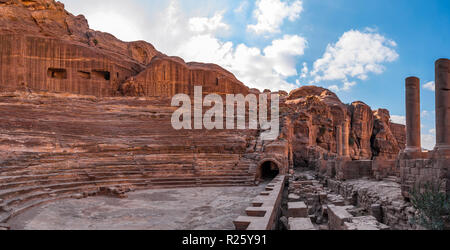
[167, 209]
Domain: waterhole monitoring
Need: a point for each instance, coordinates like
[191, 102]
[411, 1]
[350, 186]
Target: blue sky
[361, 49]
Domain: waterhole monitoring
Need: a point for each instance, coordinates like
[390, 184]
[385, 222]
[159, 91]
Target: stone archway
[267, 170]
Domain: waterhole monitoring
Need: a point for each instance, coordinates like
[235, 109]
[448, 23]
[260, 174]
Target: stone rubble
[331, 205]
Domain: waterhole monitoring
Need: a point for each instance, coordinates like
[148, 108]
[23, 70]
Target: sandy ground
[167, 209]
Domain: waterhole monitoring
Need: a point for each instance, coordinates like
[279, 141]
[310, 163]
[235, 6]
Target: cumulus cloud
[205, 24]
[354, 57]
[270, 15]
[430, 86]
[398, 119]
[282, 51]
[263, 69]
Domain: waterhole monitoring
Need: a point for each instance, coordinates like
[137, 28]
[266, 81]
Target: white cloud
[354, 56]
[270, 15]
[426, 113]
[305, 70]
[429, 141]
[398, 119]
[282, 52]
[242, 7]
[430, 86]
[204, 24]
[267, 69]
[263, 69]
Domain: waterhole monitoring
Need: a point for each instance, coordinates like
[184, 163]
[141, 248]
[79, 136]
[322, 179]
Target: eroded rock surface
[45, 48]
[318, 121]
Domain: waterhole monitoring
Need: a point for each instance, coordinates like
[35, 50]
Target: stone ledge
[265, 207]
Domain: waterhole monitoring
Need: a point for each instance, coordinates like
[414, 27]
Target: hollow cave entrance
[100, 74]
[57, 73]
[269, 170]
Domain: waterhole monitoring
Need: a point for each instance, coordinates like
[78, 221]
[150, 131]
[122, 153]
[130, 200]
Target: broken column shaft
[413, 139]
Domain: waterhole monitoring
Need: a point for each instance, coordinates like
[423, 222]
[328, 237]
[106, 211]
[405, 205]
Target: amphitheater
[86, 142]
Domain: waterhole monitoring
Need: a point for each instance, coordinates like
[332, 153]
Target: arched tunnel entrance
[267, 171]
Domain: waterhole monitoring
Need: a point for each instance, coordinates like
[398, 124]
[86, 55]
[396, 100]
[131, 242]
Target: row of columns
[413, 125]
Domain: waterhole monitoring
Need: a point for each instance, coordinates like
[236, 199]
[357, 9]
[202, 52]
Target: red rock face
[168, 76]
[45, 48]
[362, 128]
[318, 116]
[384, 143]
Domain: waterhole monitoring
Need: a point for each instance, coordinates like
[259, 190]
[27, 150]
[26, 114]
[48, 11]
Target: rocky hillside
[53, 50]
[317, 115]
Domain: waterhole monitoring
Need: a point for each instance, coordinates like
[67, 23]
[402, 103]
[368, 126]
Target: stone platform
[165, 209]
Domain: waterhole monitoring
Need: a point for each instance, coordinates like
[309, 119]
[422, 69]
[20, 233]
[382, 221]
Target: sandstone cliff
[318, 118]
[45, 48]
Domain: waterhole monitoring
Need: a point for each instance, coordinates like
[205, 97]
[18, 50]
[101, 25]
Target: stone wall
[399, 132]
[348, 170]
[385, 168]
[345, 169]
[415, 173]
[266, 208]
[383, 200]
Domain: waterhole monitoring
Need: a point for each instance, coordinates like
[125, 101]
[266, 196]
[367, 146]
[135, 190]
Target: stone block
[293, 198]
[365, 223]
[301, 224]
[297, 210]
[337, 216]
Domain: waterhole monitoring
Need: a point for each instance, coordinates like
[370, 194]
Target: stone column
[339, 140]
[413, 139]
[443, 105]
[346, 138]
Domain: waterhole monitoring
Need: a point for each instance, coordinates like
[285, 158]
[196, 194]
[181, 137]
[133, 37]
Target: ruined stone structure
[417, 168]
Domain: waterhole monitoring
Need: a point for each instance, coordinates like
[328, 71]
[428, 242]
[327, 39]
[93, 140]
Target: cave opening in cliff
[57, 73]
[269, 170]
[100, 74]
